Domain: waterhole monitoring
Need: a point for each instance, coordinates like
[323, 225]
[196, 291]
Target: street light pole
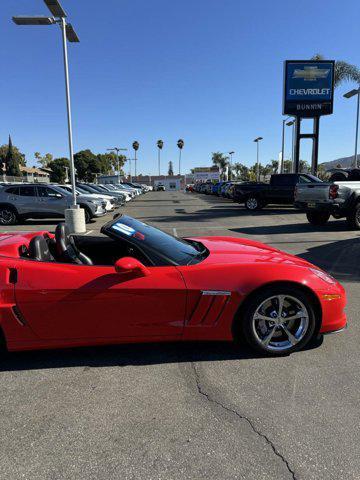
[349, 95]
[257, 140]
[74, 216]
[117, 150]
[68, 104]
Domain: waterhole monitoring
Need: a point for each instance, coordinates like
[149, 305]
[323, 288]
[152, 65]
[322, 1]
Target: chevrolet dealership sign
[308, 87]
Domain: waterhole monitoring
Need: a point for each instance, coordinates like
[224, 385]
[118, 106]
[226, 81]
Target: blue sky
[207, 71]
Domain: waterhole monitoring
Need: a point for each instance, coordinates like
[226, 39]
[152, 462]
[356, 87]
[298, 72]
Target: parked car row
[319, 200]
[256, 195]
[20, 201]
[221, 189]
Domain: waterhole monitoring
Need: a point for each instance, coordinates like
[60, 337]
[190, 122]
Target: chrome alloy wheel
[280, 322]
[252, 203]
[7, 217]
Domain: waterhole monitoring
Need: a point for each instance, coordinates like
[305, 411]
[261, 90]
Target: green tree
[304, 167]
[106, 161]
[43, 160]
[171, 168]
[221, 161]
[12, 163]
[273, 166]
[344, 72]
[58, 168]
[241, 171]
[321, 173]
[288, 166]
[20, 157]
[87, 165]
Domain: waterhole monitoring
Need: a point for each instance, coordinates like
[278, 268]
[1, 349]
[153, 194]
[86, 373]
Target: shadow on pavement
[341, 259]
[130, 354]
[335, 226]
[215, 212]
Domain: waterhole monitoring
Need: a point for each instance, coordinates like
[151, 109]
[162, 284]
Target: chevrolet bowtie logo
[311, 73]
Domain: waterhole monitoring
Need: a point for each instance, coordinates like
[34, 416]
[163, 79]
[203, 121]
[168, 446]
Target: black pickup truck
[279, 191]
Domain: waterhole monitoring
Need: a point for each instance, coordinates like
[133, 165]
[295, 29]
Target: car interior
[79, 250]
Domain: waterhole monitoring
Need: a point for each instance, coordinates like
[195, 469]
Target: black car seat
[39, 249]
[66, 248]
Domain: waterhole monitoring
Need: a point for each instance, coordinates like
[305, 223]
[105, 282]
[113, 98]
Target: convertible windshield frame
[161, 247]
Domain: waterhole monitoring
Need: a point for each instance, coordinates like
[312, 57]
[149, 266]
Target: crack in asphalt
[202, 392]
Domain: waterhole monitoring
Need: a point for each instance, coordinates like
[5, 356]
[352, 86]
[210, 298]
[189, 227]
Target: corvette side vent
[18, 315]
[209, 308]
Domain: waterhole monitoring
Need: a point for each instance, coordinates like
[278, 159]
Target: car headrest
[62, 238]
[39, 249]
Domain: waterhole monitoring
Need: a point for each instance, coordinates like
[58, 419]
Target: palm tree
[241, 171]
[221, 161]
[344, 72]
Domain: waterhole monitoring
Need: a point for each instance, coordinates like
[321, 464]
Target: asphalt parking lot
[193, 411]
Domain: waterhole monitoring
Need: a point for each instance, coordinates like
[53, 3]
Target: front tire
[253, 203]
[279, 320]
[8, 216]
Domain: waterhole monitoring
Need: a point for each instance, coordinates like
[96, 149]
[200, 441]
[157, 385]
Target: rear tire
[252, 203]
[353, 219]
[318, 218]
[8, 216]
[277, 336]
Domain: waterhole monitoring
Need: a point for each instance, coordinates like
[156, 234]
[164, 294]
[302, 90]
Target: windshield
[81, 190]
[173, 250]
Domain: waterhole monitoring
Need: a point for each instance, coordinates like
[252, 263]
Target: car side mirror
[131, 265]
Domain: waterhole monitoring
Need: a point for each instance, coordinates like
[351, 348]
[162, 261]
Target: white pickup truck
[321, 200]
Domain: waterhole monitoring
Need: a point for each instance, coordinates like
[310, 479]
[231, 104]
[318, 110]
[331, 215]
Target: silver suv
[42, 201]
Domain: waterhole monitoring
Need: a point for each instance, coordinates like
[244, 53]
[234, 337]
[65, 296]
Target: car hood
[243, 250]
[89, 197]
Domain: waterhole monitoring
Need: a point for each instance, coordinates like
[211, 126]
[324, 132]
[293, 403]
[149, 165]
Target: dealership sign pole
[308, 93]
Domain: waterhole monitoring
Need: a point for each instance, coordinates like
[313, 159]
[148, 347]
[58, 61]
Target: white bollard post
[75, 220]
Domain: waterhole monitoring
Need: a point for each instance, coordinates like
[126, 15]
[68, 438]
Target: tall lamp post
[350, 94]
[117, 150]
[180, 144]
[160, 145]
[257, 140]
[231, 162]
[135, 146]
[74, 217]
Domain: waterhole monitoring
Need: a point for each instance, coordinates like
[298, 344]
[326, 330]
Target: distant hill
[345, 162]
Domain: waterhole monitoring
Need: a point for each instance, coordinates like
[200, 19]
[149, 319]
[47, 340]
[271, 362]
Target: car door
[65, 301]
[50, 201]
[27, 201]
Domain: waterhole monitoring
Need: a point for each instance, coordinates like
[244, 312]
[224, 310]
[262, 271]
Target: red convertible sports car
[138, 284]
